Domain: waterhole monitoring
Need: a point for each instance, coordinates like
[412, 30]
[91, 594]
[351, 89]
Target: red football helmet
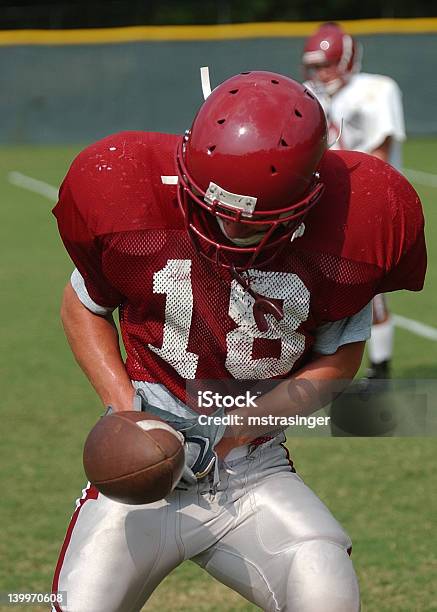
[331, 46]
[251, 157]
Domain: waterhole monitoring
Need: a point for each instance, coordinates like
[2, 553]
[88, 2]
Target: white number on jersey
[296, 300]
[174, 280]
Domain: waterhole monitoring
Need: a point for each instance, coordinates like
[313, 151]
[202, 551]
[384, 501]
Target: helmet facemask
[204, 215]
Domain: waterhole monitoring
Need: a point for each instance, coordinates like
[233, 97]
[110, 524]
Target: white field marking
[32, 184]
[423, 178]
[415, 327]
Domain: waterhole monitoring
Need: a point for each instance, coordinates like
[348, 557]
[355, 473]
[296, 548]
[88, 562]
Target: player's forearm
[94, 342]
[308, 390]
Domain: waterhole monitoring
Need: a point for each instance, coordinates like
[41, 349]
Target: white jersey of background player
[365, 114]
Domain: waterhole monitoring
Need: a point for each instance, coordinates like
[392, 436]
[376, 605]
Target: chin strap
[262, 306]
[338, 136]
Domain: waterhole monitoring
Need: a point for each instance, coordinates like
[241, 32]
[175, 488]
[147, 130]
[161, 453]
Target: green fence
[93, 84]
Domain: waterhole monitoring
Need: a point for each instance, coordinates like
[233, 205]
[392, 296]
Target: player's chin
[237, 231]
[245, 237]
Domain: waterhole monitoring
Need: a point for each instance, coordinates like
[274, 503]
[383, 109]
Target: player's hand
[200, 459]
[225, 446]
[228, 443]
[200, 440]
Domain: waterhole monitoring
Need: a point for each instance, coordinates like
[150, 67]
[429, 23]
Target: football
[133, 457]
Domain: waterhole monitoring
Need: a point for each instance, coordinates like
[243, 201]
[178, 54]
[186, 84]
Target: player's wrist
[111, 409]
[121, 402]
[232, 438]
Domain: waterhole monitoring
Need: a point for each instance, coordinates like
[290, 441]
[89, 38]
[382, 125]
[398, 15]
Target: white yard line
[423, 178]
[32, 184]
[51, 192]
[415, 327]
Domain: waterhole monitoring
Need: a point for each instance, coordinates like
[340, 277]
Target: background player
[364, 113]
[228, 256]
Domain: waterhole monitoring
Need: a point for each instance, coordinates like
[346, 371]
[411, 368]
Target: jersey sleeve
[78, 284]
[404, 239]
[385, 116]
[330, 337]
[85, 250]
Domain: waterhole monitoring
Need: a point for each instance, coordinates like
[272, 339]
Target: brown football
[133, 457]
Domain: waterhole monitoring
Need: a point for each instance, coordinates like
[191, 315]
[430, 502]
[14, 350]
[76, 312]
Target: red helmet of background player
[331, 46]
[251, 157]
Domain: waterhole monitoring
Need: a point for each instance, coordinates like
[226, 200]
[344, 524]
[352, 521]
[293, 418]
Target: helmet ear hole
[297, 113]
[221, 121]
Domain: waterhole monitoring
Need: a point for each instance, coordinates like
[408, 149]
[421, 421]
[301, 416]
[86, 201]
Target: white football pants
[263, 533]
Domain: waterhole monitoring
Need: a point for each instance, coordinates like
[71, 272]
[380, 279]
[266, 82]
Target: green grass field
[382, 490]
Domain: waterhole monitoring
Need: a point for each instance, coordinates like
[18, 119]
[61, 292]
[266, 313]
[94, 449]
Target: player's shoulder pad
[374, 82]
[115, 183]
[369, 212]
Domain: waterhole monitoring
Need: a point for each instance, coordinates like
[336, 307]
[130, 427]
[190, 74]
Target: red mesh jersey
[184, 318]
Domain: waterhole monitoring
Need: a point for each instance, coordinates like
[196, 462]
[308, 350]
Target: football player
[243, 250]
[364, 113]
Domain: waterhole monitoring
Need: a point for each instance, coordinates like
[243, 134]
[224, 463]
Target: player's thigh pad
[114, 555]
[321, 578]
[282, 528]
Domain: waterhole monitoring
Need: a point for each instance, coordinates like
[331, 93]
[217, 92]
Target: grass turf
[382, 490]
